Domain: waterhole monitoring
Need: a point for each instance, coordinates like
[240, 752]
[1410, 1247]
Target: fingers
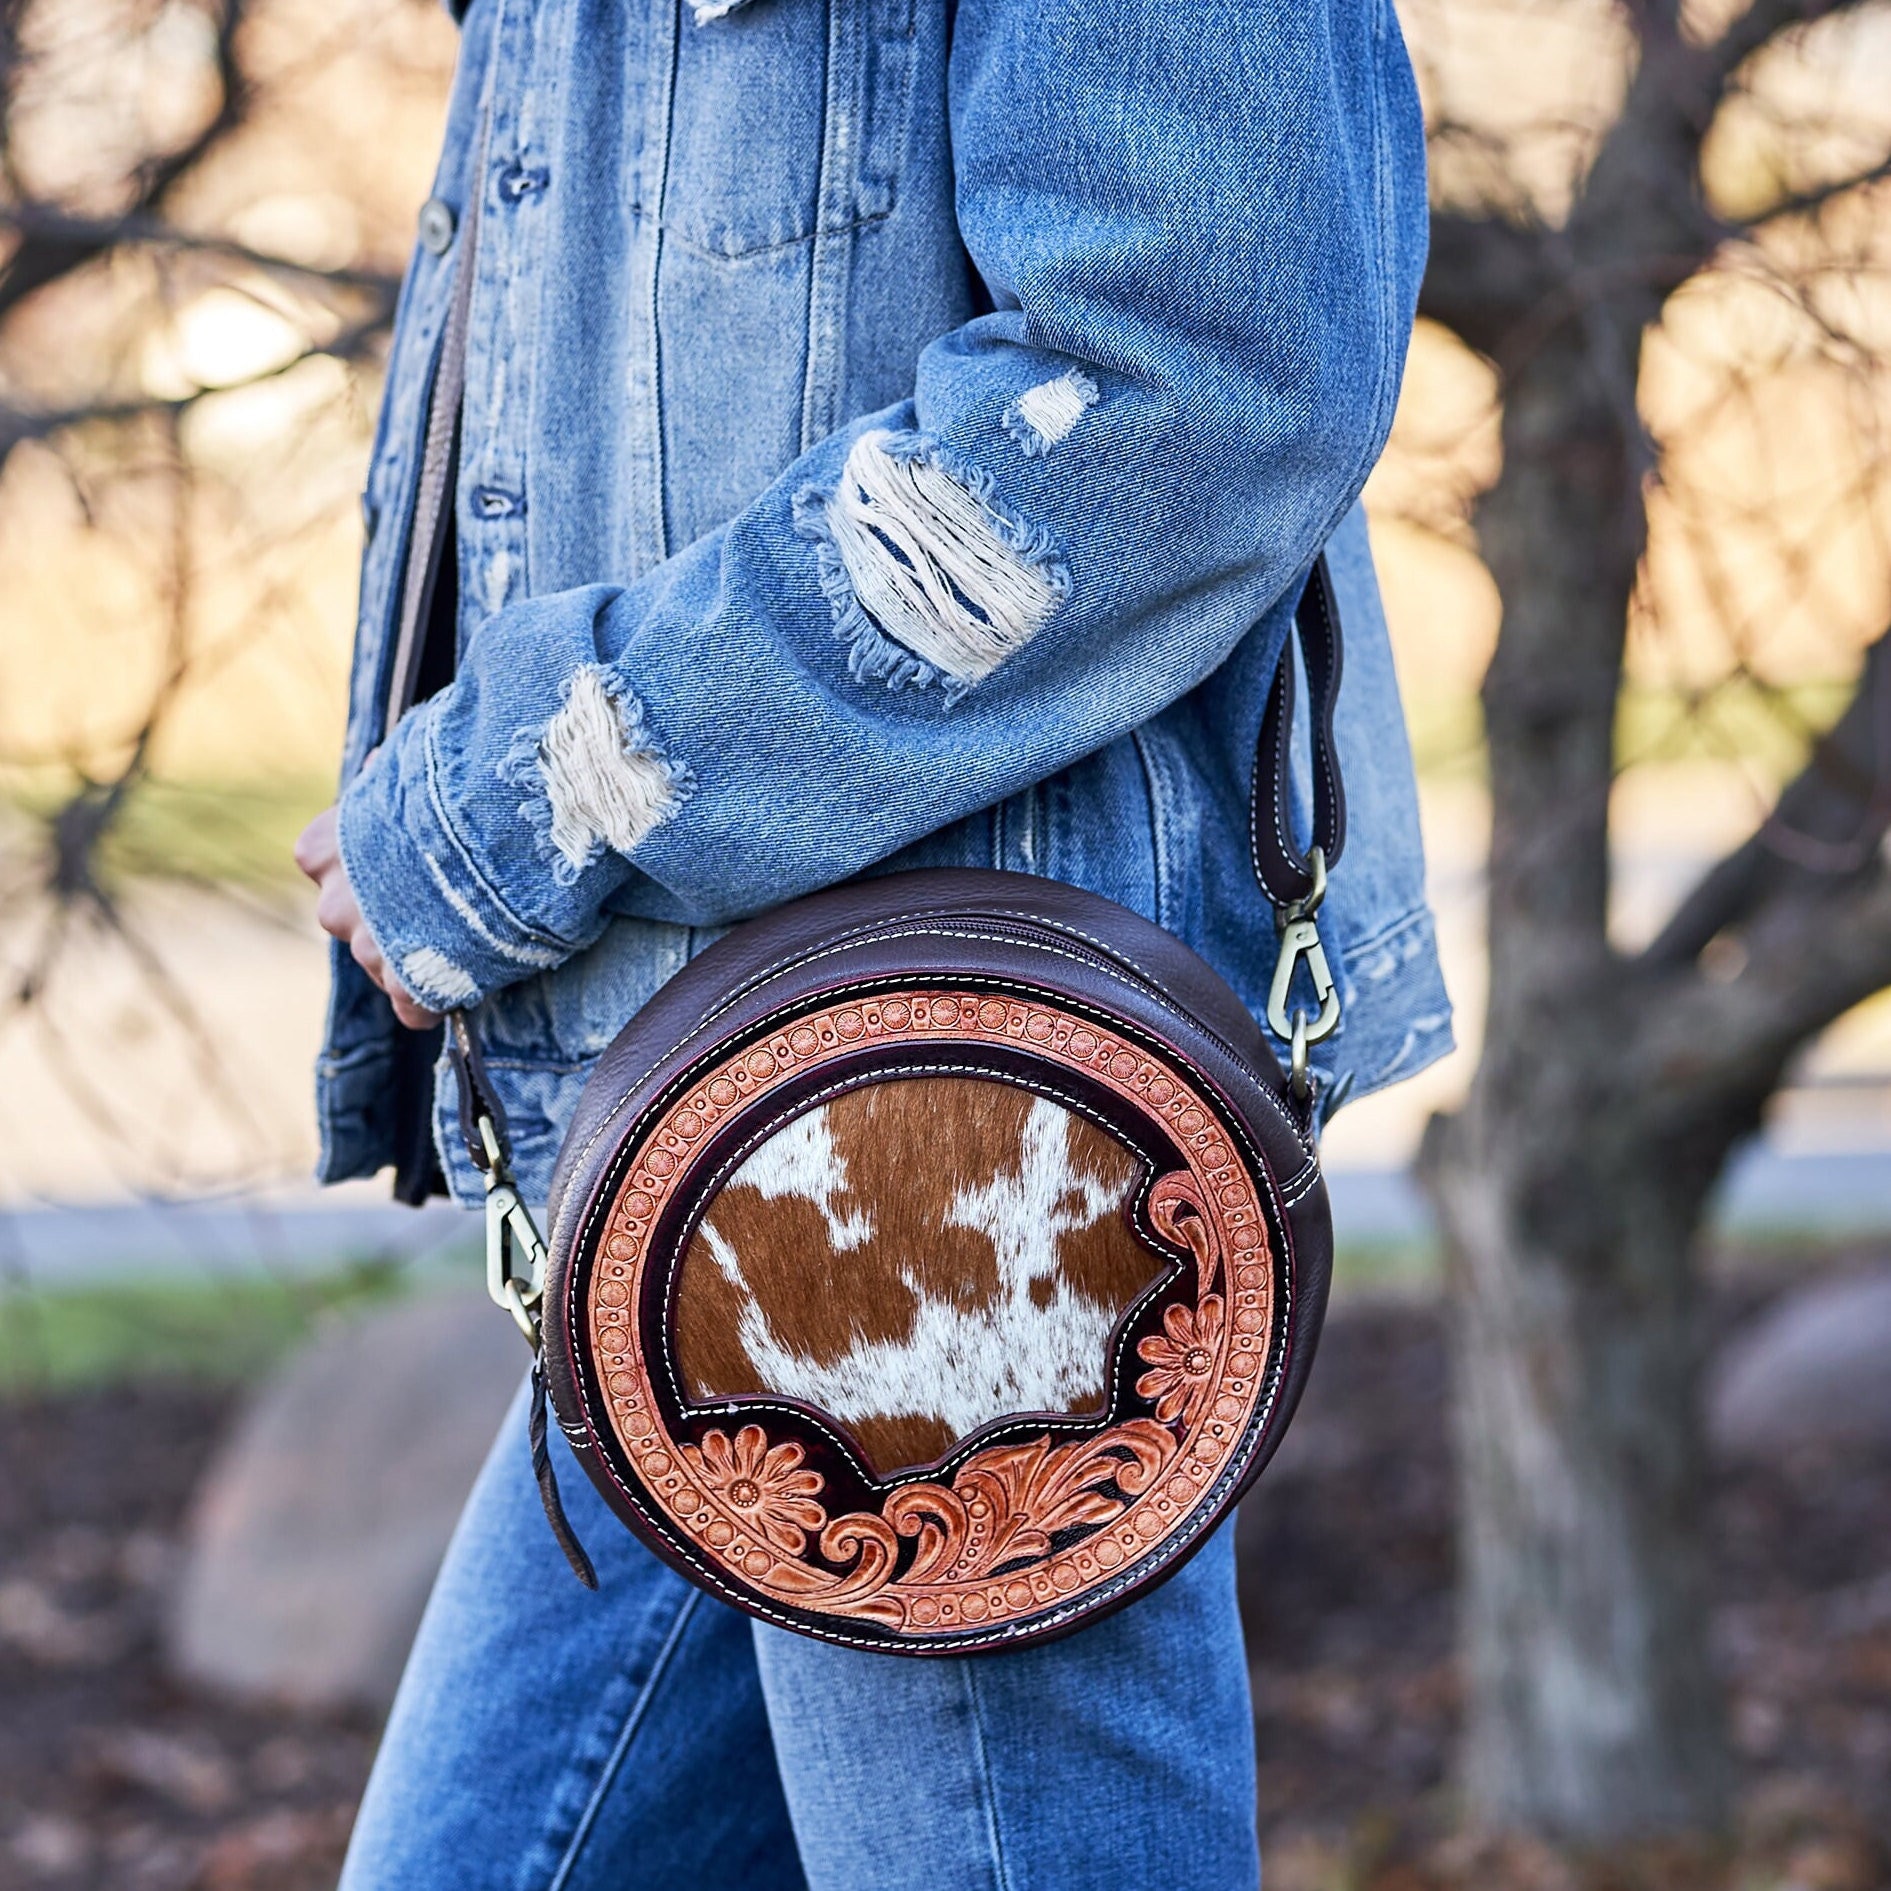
[317, 851]
[415, 1016]
[338, 913]
[336, 910]
[367, 954]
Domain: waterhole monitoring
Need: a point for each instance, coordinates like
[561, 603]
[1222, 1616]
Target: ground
[1346, 1588]
[112, 1777]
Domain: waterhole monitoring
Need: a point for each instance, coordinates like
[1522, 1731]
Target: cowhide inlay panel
[917, 1300]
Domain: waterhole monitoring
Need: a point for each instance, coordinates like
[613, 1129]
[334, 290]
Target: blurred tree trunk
[1569, 1227]
[1571, 1186]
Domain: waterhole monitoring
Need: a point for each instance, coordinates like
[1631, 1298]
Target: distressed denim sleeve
[1202, 238]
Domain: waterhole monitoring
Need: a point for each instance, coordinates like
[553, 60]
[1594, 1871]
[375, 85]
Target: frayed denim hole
[592, 777]
[435, 980]
[926, 576]
[1044, 416]
[872, 656]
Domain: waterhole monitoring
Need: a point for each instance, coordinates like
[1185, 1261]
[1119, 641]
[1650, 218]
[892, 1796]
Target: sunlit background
[180, 563]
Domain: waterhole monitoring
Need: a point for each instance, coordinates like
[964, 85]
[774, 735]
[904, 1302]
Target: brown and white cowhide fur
[918, 1258]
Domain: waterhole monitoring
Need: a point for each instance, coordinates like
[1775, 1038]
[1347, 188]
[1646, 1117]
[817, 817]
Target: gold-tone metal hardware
[1300, 944]
[495, 1151]
[1309, 903]
[1299, 1072]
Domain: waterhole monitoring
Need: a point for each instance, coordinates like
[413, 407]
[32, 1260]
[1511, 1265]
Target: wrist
[444, 933]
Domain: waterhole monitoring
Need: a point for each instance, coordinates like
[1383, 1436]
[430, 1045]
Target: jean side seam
[988, 1792]
[628, 1732]
[1166, 867]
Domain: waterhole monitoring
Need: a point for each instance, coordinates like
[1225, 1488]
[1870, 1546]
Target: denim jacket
[895, 433]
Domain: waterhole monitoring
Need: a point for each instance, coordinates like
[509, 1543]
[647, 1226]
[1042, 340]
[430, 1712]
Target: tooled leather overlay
[1023, 1525]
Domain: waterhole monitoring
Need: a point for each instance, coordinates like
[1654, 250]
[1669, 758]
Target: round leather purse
[936, 1259]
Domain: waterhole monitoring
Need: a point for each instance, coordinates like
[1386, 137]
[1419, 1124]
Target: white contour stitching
[878, 935]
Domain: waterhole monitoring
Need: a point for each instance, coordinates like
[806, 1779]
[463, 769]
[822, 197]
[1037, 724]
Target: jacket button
[436, 225]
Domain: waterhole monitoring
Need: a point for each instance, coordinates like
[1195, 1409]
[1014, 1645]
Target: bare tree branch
[38, 222]
[1763, 22]
[18, 425]
[1824, 834]
[41, 260]
[1806, 202]
[1715, 1048]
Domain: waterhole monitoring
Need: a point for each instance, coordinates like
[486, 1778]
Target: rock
[1813, 1369]
[316, 1532]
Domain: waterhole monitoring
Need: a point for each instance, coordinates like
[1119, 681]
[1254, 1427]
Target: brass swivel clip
[1300, 944]
[511, 1236]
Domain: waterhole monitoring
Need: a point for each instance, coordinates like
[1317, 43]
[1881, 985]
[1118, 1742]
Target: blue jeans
[547, 1739]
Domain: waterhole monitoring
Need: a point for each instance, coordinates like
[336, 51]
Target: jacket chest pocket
[790, 121]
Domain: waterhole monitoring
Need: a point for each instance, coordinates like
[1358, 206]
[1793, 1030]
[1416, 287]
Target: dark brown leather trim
[1282, 866]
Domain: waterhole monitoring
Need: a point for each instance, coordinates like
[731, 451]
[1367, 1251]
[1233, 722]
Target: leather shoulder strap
[1285, 870]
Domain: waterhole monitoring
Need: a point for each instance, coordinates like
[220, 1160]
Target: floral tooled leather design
[1016, 1528]
[1183, 1355]
[761, 1488]
[1001, 1511]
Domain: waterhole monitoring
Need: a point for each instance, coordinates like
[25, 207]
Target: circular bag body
[934, 1261]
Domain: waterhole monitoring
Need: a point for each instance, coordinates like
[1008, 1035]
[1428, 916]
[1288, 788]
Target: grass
[240, 835]
[226, 1331]
[1410, 1268]
[240, 831]
[203, 1329]
[229, 1330]
[1768, 730]
[226, 833]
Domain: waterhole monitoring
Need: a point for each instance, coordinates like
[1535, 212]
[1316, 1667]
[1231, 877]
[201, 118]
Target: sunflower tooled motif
[766, 1489]
[1183, 1357]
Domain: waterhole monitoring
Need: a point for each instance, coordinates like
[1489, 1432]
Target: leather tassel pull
[548, 1485]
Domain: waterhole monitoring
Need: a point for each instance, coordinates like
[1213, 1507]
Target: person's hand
[318, 854]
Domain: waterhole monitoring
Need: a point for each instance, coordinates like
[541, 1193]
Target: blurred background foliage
[207, 209]
[208, 206]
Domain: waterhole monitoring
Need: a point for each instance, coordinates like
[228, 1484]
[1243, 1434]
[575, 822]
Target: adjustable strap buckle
[1300, 944]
